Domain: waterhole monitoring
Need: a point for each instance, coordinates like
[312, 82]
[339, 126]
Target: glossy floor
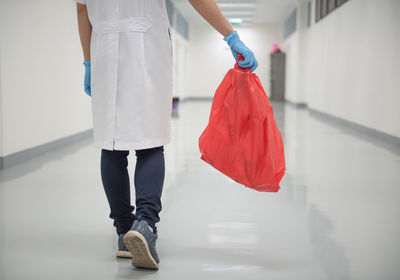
[337, 215]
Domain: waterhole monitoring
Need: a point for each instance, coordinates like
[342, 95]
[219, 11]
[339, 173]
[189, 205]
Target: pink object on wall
[275, 48]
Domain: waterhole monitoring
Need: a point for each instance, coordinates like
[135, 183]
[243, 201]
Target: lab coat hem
[125, 146]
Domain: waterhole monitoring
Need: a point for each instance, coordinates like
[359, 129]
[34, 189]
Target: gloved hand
[237, 47]
[88, 88]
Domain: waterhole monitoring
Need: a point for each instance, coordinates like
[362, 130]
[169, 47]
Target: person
[127, 51]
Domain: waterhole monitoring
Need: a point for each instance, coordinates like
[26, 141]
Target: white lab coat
[131, 58]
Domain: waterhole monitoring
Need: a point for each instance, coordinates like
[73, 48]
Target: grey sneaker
[122, 252]
[141, 242]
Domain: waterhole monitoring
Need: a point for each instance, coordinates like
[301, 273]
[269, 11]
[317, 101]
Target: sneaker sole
[124, 254]
[137, 245]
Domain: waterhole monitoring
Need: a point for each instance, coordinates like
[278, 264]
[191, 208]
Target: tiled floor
[337, 215]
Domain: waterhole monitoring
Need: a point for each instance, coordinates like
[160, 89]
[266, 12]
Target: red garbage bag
[242, 139]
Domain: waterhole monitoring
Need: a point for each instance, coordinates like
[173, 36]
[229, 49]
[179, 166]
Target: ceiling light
[235, 20]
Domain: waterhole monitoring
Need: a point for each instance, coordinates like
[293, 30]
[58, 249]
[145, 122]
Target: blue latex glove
[237, 47]
[88, 88]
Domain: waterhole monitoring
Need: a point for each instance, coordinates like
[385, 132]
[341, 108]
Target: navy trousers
[149, 180]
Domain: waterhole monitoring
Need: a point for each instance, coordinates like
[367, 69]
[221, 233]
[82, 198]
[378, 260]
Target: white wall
[180, 48]
[294, 47]
[350, 65]
[291, 48]
[42, 95]
[209, 57]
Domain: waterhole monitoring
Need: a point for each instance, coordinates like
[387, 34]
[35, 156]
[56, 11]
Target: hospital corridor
[201, 139]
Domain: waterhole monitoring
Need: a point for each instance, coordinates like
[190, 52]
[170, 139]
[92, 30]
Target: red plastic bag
[242, 139]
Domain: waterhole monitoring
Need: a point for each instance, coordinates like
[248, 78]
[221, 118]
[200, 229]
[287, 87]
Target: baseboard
[377, 137]
[296, 105]
[19, 157]
[382, 139]
[198, 98]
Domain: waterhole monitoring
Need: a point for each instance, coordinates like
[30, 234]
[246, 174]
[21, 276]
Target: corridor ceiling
[250, 11]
